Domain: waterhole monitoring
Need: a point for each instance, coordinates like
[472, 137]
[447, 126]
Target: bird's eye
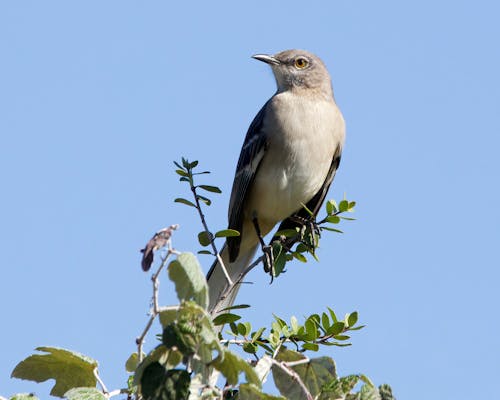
[301, 63]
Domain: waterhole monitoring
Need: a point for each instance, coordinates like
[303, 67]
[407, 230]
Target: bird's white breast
[303, 132]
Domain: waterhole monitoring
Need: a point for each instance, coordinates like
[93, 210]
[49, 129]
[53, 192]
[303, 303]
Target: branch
[205, 227]
[156, 308]
[239, 280]
[101, 383]
[118, 391]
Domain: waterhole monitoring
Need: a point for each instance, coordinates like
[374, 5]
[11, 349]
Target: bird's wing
[252, 152]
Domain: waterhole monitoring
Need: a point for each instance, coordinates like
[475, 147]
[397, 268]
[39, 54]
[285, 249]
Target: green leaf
[168, 316]
[339, 388]
[169, 358]
[336, 328]
[311, 330]
[205, 238]
[178, 165]
[205, 252]
[294, 324]
[314, 374]
[315, 318]
[132, 362]
[243, 329]
[84, 393]
[357, 328]
[327, 228]
[325, 321]
[234, 328]
[208, 188]
[251, 392]
[352, 319]
[333, 219]
[193, 164]
[369, 392]
[341, 337]
[204, 199]
[352, 204]
[184, 201]
[225, 318]
[227, 233]
[301, 248]
[299, 257]
[365, 379]
[69, 369]
[152, 381]
[231, 365]
[265, 346]
[192, 333]
[280, 321]
[181, 339]
[159, 383]
[279, 258]
[310, 346]
[250, 348]
[332, 314]
[181, 172]
[256, 335]
[385, 392]
[331, 207]
[343, 206]
[348, 218]
[190, 283]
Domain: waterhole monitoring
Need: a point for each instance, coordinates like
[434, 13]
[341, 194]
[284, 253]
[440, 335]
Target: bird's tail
[217, 281]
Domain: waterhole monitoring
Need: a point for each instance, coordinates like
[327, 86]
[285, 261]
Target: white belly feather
[304, 141]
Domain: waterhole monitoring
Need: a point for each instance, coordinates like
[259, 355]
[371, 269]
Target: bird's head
[298, 69]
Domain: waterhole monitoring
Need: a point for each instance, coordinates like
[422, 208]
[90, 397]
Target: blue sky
[98, 98]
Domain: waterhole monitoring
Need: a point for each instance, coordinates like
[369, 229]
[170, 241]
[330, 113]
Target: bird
[289, 158]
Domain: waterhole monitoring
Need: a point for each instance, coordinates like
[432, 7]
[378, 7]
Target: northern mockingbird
[289, 158]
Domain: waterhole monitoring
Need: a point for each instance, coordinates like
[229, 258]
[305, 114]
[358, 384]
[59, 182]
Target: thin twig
[117, 392]
[275, 353]
[101, 383]
[298, 362]
[205, 226]
[156, 308]
[223, 267]
[167, 308]
[238, 281]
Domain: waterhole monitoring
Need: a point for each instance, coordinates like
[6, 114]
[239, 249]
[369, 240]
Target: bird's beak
[267, 59]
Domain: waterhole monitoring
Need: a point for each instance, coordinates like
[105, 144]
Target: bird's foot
[268, 260]
[267, 250]
[309, 232]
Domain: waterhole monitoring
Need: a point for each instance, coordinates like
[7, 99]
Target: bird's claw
[268, 260]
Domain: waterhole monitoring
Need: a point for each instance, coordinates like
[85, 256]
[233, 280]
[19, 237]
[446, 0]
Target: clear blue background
[98, 98]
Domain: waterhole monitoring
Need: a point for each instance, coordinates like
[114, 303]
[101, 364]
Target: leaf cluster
[192, 353]
[315, 331]
[186, 171]
[296, 243]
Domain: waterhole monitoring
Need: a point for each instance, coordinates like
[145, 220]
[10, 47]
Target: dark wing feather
[251, 155]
